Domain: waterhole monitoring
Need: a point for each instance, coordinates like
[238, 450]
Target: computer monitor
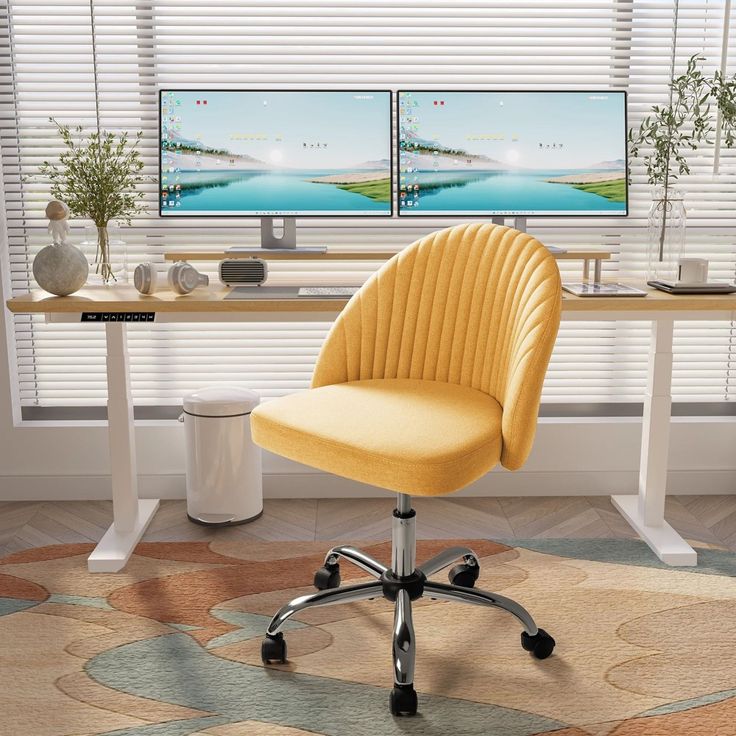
[286, 153]
[483, 153]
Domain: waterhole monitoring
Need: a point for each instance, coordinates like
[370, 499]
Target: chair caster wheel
[273, 649]
[464, 575]
[403, 700]
[540, 645]
[328, 576]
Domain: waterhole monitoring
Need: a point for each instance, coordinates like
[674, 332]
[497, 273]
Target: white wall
[571, 456]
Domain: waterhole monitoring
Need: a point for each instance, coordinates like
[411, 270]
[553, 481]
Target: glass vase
[666, 234]
[105, 252]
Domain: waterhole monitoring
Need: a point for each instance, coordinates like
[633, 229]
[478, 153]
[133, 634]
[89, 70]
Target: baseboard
[323, 485]
[84, 487]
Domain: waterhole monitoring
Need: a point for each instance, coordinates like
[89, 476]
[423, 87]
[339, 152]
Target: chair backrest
[476, 305]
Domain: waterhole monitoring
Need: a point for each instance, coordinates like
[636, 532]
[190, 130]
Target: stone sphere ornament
[60, 268]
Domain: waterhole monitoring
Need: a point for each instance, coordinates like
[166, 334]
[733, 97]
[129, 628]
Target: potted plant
[97, 176]
[698, 106]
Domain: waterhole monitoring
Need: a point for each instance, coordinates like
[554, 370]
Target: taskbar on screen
[164, 212]
[411, 212]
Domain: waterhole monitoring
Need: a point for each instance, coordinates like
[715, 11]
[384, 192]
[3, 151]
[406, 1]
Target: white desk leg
[645, 512]
[131, 515]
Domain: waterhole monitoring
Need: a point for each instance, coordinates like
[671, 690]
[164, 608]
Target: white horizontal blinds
[709, 196]
[339, 44]
[703, 350]
[728, 158]
[49, 70]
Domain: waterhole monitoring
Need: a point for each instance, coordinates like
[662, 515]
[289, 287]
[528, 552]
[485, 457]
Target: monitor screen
[285, 153]
[512, 153]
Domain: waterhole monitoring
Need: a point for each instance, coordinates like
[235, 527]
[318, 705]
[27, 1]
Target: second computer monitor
[482, 153]
[278, 153]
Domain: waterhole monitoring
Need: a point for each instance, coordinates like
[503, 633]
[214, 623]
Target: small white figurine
[58, 214]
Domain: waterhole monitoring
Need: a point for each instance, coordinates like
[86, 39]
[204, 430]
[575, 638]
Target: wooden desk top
[345, 255]
[124, 298]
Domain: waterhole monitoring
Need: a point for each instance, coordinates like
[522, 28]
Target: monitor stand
[284, 242]
[519, 223]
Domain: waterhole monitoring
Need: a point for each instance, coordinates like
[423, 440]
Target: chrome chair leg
[481, 598]
[357, 557]
[404, 645]
[445, 558]
[403, 699]
[347, 594]
[402, 583]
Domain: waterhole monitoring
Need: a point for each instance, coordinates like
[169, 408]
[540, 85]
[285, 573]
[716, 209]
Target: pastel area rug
[171, 647]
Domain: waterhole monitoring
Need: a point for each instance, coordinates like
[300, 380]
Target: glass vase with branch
[97, 175]
[699, 108]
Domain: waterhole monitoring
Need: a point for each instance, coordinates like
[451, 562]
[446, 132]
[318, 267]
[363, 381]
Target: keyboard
[328, 291]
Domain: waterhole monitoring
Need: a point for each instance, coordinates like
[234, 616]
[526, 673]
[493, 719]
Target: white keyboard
[335, 291]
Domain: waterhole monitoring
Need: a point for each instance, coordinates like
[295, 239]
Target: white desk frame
[131, 515]
[645, 511]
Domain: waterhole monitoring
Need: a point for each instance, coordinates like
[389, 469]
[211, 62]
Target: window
[103, 61]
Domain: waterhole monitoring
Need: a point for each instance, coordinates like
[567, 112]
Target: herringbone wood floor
[709, 520]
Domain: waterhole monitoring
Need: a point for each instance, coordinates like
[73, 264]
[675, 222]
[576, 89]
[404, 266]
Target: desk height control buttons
[118, 316]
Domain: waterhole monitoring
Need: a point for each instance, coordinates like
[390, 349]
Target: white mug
[692, 271]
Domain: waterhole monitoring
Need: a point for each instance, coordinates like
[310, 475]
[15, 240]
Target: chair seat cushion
[408, 435]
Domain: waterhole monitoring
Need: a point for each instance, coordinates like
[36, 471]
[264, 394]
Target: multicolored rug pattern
[171, 647]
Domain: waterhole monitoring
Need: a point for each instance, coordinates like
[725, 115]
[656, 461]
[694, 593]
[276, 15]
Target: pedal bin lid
[221, 401]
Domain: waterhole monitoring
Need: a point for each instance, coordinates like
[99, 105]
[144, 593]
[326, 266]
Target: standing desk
[118, 306]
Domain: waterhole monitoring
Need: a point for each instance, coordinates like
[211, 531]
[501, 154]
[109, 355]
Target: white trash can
[223, 464]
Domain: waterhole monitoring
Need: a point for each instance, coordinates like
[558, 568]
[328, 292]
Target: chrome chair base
[401, 584]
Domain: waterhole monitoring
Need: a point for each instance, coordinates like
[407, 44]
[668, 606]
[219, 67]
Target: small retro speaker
[243, 271]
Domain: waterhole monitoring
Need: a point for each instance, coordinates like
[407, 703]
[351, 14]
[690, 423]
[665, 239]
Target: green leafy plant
[697, 107]
[97, 176]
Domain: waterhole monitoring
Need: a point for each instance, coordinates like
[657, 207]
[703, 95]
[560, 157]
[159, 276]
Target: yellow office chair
[431, 375]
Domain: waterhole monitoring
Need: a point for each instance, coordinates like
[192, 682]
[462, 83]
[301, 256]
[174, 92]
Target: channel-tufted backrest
[476, 305]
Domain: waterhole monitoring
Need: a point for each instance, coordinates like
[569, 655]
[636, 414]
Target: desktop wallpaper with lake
[527, 153]
[280, 153]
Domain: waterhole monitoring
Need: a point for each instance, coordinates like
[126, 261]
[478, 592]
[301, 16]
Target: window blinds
[87, 60]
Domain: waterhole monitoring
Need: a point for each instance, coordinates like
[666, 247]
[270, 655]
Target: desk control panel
[118, 316]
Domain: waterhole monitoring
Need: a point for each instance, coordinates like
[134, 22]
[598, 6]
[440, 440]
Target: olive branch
[97, 176]
[681, 126]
